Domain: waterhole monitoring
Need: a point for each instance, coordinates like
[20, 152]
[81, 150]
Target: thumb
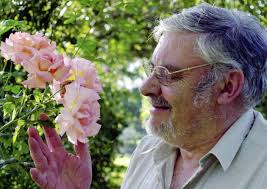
[82, 151]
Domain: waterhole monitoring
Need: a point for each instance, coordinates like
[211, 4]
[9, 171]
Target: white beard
[165, 130]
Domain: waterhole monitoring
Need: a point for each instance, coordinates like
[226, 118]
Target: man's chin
[158, 119]
[152, 126]
[159, 128]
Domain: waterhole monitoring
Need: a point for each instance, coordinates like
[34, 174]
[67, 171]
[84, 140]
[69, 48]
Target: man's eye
[161, 72]
[176, 76]
[150, 67]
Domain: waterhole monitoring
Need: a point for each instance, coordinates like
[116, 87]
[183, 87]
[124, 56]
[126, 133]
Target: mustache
[159, 102]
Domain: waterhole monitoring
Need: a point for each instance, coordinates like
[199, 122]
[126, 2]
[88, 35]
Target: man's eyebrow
[170, 67]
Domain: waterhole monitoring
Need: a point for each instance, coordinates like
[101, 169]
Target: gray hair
[226, 37]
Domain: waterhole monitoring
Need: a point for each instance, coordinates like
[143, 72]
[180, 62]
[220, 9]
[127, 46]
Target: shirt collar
[227, 147]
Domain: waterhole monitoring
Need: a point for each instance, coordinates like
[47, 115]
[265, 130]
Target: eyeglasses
[164, 76]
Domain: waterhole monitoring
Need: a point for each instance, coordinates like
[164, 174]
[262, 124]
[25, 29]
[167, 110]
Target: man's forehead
[173, 46]
[180, 39]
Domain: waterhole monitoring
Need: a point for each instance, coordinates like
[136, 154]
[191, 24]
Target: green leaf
[7, 87]
[14, 114]
[71, 18]
[15, 89]
[37, 95]
[17, 129]
[8, 107]
[6, 25]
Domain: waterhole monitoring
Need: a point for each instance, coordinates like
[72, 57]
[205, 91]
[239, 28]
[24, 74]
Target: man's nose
[150, 87]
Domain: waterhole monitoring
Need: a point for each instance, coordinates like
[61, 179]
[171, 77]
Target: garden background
[116, 36]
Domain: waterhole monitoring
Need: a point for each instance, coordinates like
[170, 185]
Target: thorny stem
[29, 113]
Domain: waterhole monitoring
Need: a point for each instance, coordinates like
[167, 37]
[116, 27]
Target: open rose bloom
[73, 82]
[80, 114]
[38, 57]
[22, 46]
[85, 74]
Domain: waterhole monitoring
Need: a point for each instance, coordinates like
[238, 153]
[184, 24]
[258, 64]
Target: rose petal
[34, 81]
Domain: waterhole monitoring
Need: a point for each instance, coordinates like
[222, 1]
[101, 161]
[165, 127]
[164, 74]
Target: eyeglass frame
[170, 73]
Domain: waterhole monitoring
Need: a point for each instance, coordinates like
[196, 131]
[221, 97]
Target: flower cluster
[76, 79]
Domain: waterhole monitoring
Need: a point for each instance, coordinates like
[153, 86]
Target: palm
[55, 168]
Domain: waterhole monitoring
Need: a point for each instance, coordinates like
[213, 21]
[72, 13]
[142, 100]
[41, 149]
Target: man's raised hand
[55, 168]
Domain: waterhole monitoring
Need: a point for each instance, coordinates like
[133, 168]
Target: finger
[33, 133]
[82, 151]
[37, 155]
[38, 177]
[53, 140]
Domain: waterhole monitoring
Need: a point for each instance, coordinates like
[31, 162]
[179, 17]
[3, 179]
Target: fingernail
[30, 129]
[43, 117]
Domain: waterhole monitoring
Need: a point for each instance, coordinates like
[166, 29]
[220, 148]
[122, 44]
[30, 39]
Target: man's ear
[231, 86]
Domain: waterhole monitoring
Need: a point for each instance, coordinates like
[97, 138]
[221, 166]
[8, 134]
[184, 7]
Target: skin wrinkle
[206, 83]
[164, 43]
[46, 184]
[159, 101]
[203, 91]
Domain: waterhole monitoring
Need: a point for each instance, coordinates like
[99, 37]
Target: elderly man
[206, 74]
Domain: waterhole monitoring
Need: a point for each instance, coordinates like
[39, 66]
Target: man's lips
[159, 104]
[160, 109]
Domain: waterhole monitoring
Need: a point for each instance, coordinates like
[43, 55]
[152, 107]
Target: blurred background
[116, 36]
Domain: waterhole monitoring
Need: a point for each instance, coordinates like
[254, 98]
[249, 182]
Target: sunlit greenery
[115, 35]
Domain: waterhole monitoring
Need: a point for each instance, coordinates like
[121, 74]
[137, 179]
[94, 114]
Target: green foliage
[7, 25]
[113, 34]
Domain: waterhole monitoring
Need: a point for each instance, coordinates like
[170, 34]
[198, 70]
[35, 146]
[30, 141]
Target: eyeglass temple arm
[190, 68]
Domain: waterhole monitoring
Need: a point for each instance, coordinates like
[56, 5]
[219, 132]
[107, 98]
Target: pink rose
[37, 67]
[58, 90]
[55, 89]
[22, 46]
[85, 74]
[42, 42]
[35, 81]
[60, 69]
[18, 53]
[45, 66]
[81, 111]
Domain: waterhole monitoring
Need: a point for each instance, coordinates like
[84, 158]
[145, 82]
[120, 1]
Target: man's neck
[192, 153]
[187, 162]
[190, 159]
